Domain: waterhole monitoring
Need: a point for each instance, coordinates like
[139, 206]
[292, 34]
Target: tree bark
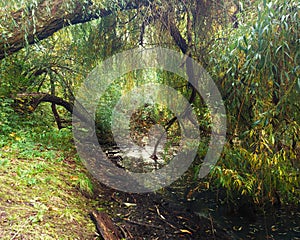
[105, 226]
[36, 98]
[56, 116]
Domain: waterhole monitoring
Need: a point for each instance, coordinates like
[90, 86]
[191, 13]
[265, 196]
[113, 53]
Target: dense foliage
[250, 48]
[258, 67]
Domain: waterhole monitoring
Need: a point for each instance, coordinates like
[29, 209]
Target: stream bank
[168, 214]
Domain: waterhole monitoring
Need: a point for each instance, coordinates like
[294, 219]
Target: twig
[17, 233]
[159, 214]
[163, 218]
[212, 226]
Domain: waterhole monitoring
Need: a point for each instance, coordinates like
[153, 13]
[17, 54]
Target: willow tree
[37, 20]
[49, 47]
[111, 26]
[257, 67]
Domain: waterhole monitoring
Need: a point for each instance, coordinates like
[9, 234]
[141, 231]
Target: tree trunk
[29, 25]
[36, 98]
[56, 116]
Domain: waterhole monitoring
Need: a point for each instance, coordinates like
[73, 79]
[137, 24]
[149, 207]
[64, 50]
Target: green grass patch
[44, 190]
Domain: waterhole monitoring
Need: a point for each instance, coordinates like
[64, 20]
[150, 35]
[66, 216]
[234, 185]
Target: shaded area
[152, 216]
[181, 212]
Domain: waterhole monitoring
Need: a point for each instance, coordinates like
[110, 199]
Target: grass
[44, 189]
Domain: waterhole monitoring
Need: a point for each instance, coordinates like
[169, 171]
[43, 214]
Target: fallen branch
[105, 226]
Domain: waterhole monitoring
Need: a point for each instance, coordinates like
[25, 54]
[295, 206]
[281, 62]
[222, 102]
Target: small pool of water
[276, 223]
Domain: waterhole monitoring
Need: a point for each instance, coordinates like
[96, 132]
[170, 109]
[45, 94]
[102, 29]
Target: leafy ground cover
[45, 193]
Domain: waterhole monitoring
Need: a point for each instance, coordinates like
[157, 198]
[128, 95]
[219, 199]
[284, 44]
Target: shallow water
[276, 223]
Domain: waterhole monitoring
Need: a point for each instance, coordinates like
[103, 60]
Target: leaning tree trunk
[31, 24]
[27, 26]
[35, 99]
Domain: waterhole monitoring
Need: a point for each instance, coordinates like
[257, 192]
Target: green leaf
[245, 40]
[278, 49]
[256, 123]
[298, 85]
